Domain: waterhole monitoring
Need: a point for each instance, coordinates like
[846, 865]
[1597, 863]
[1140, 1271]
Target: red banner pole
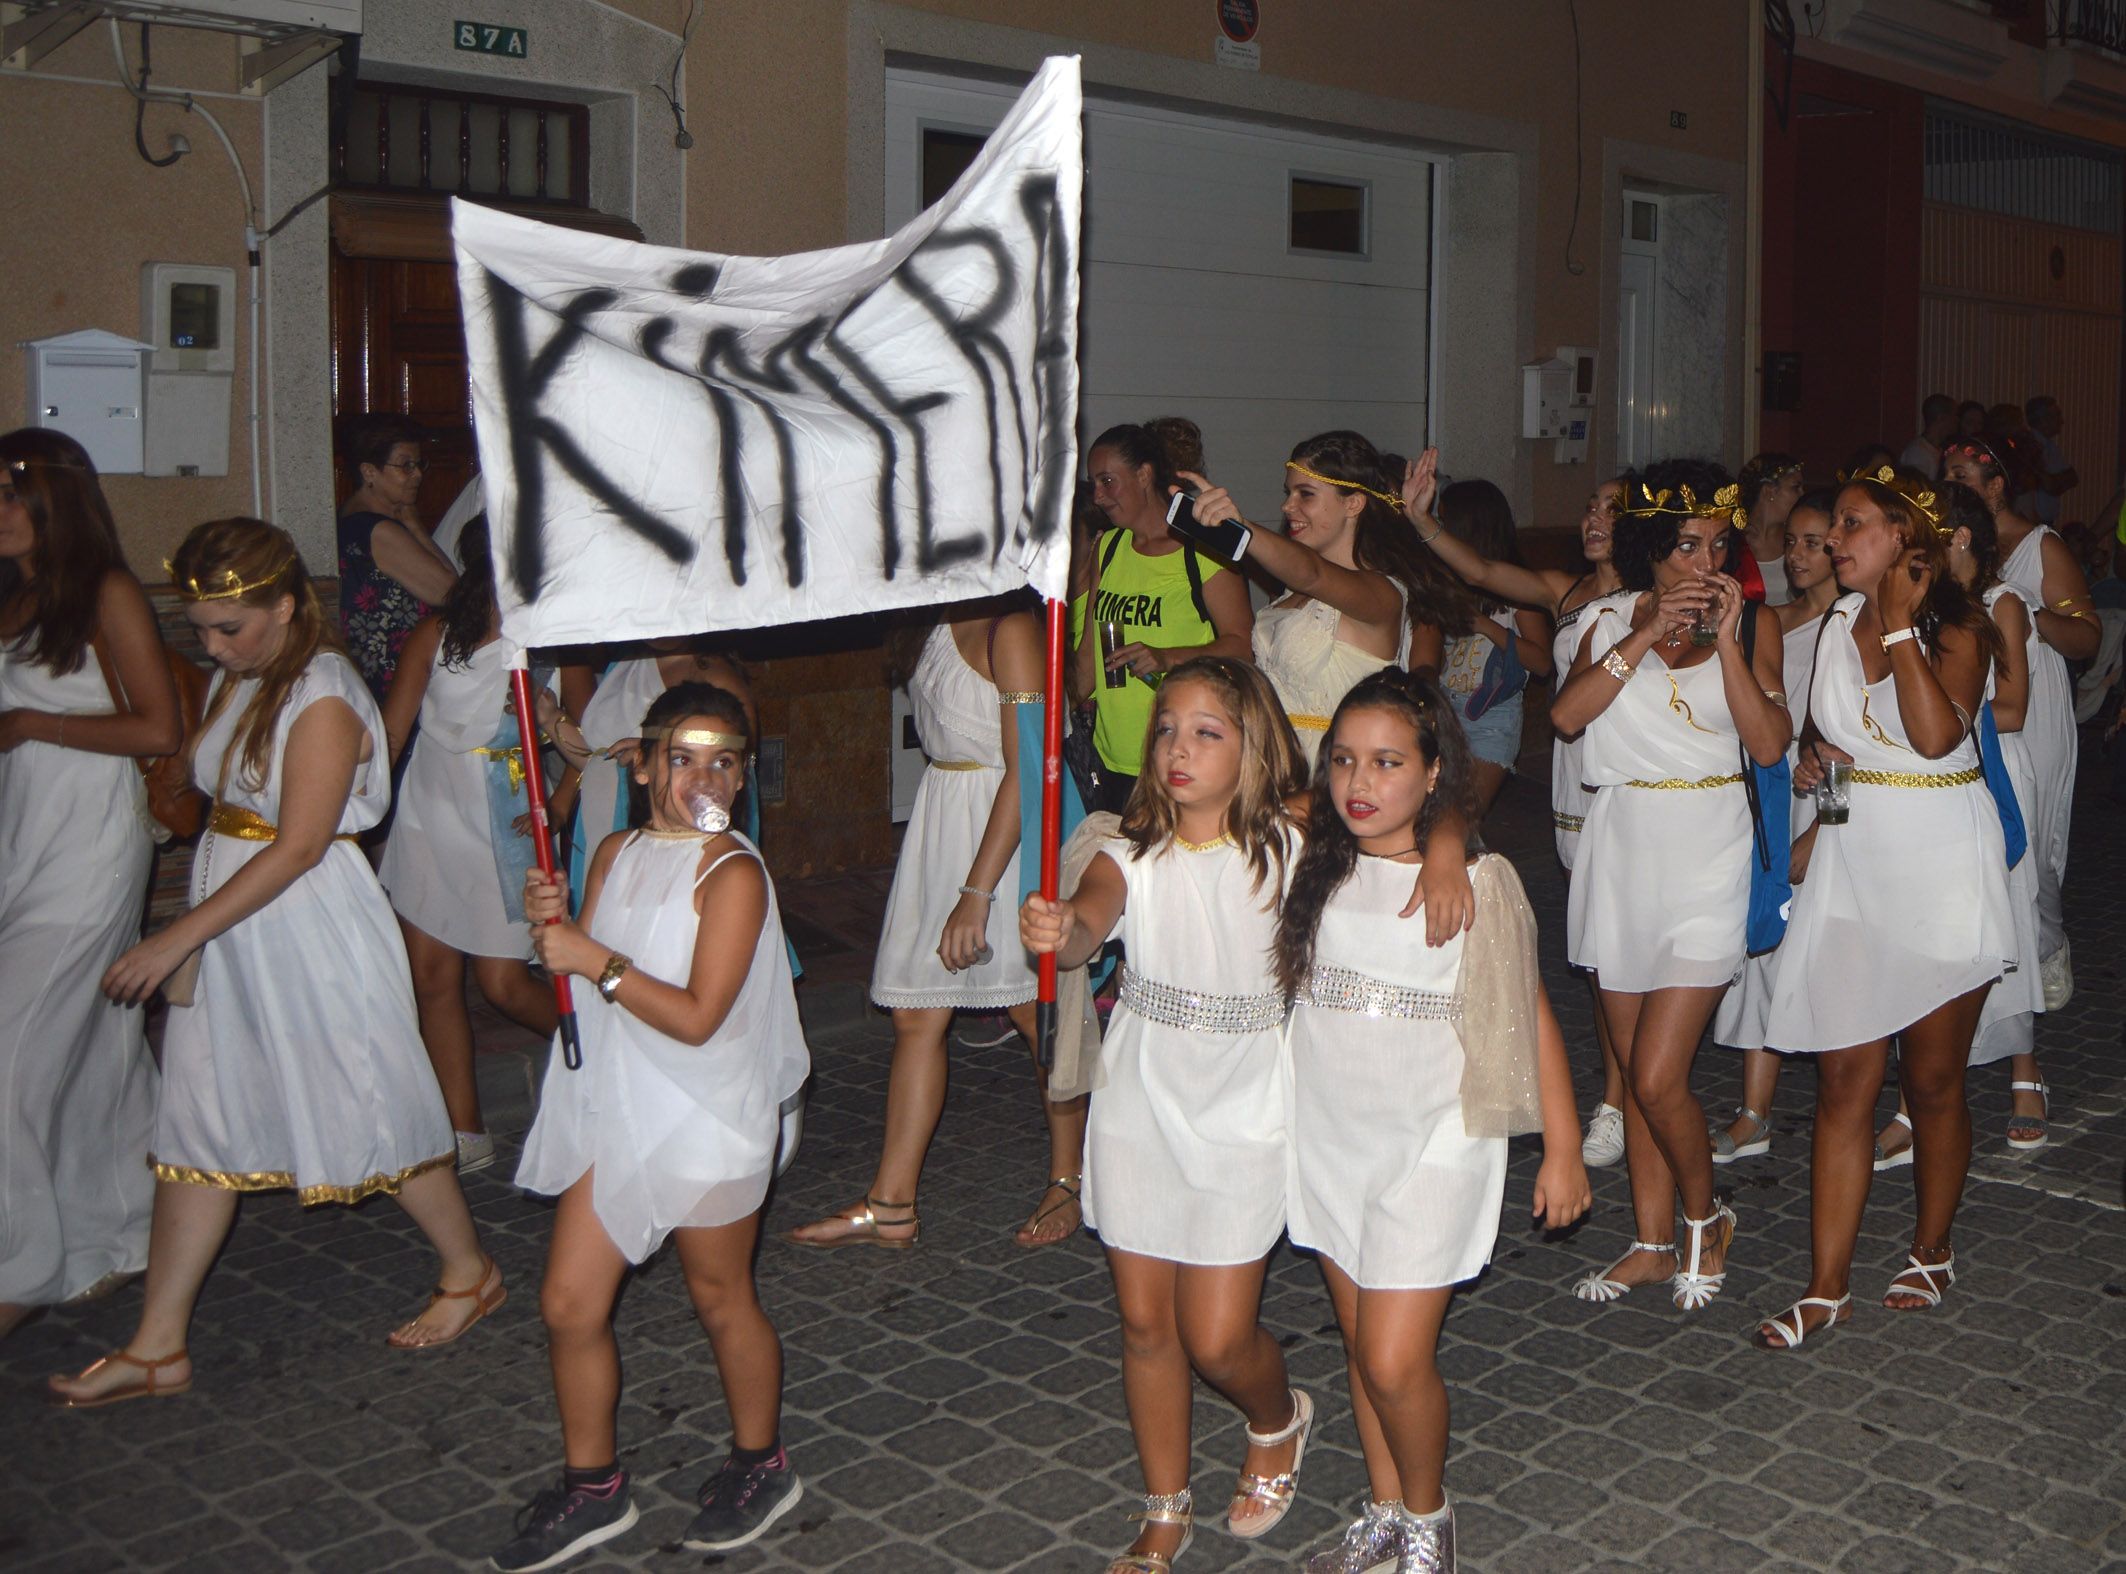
[1051, 824]
[543, 844]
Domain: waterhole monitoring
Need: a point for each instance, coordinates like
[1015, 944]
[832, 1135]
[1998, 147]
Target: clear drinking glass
[1834, 804]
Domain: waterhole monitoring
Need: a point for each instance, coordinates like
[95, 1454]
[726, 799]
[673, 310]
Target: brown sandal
[1069, 1186]
[146, 1388]
[862, 1225]
[484, 1301]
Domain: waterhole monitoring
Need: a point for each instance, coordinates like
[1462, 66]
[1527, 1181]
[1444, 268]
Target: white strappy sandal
[1926, 1290]
[1598, 1286]
[1903, 1156]
[1791, 1335]
[1694, 1289]
[2031, 1122]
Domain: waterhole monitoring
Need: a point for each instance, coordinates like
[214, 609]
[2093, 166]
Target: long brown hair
[76, 544]
[1949, 604]
[467, 615]
[1385, 540]
[1271, 768]
[1331, 853]
[261, 558]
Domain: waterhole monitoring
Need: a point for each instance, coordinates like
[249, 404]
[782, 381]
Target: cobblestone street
[959, 1406]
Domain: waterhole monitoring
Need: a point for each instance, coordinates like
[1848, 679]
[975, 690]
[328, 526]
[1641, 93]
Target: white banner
[674, 442]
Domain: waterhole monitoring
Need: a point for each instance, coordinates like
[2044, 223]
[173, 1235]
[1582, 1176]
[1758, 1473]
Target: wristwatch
[616, 967]
[1903, 634]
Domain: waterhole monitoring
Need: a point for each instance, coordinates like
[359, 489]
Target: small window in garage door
[1266, 282]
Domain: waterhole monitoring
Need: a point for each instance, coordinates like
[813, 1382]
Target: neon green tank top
[1151, 599]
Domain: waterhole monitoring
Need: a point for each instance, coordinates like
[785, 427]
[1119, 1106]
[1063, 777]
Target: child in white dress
[440, 864]
[291, 1059]
[1411, 1065]
[690, 1043]
[1185, 1146]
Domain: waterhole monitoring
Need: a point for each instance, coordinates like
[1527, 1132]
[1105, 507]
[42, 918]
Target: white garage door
[1196, 300]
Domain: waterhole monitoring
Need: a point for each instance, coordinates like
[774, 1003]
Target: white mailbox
[91, 385]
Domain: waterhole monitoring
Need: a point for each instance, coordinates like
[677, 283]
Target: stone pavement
[959, 1407]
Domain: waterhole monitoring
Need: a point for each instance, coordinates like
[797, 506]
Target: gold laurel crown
[1682, 503]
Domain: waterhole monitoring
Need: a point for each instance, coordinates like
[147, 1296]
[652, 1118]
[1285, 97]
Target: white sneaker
[476, 1150]
[1604, 1142]
[2056, 973]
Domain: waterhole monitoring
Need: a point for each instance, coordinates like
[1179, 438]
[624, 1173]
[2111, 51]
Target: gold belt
[1916, 778]
[228, 820]
[1310, 723]
[514, 754]
[1673, 784]
[962, 765]
[1567, 822]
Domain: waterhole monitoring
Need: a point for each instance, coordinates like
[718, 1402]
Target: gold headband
[1389, 498]
[231, 586]
[702, 738]
[1682, 503]
[1924, 502]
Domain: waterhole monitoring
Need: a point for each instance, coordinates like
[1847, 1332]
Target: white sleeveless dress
[1569, 796]
[439, 864]
[1383, 1180]
[2007, 1026]
[675, 1136]
[1185, 1144]
[957, 717]
[79, 1104]
[2049, 735]
[1296, 648]
[299, 1062]
[1659, 897]
[1739, 1023]
[1906, 904]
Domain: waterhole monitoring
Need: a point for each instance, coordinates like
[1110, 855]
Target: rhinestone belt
[1567, 822]
[1340, 989]
[1962, 778]
[1202, 1013]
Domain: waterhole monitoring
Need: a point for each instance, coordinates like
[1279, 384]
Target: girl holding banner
[943, 948]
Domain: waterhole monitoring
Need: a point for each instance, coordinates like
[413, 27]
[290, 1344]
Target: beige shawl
[1077, 1058]
[1501, 1094]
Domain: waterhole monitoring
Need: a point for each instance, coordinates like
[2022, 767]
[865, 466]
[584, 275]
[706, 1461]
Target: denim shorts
[1495, 735]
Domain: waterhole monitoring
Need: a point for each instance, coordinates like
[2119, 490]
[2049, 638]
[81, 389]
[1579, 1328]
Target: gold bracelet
[1616, 666]
[1776, 696]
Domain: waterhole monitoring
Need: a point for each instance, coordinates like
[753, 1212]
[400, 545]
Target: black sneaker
[739, 1504]
[559, 1523]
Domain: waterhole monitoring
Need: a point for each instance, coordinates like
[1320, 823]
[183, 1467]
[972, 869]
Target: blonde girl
[1185, 1145]
[291, 1059]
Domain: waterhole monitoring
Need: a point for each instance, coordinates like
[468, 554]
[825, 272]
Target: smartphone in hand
[1227, 540]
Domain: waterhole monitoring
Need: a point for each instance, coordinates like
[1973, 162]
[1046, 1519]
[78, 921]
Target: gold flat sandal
[863, 1228]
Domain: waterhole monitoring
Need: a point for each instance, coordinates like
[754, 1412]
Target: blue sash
[2013, 831]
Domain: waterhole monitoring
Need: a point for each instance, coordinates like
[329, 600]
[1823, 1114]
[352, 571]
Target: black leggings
[1114, 790]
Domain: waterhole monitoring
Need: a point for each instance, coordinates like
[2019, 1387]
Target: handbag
[176, 808]
[2013, 831]
[1504, 676]
[1768, 787]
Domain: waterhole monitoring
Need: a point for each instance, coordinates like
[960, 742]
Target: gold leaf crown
[1682, 503]
[230, 586]
[1923, 501]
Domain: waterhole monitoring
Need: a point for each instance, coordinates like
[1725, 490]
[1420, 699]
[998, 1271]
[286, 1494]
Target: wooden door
[399, 345]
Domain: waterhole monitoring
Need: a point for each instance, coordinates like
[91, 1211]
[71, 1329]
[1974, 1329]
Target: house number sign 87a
[485, 38]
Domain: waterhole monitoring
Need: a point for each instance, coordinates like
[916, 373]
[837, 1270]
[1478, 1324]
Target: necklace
[1406, 852]
[1222, 839]
[656, 835]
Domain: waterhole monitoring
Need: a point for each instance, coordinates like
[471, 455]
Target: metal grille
[397, 137]
[1999, 167]
[2098, 22]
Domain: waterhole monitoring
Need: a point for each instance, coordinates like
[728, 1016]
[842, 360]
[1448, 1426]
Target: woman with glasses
[391, 571]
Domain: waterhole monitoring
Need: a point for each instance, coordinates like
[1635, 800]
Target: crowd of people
[1812, 763]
